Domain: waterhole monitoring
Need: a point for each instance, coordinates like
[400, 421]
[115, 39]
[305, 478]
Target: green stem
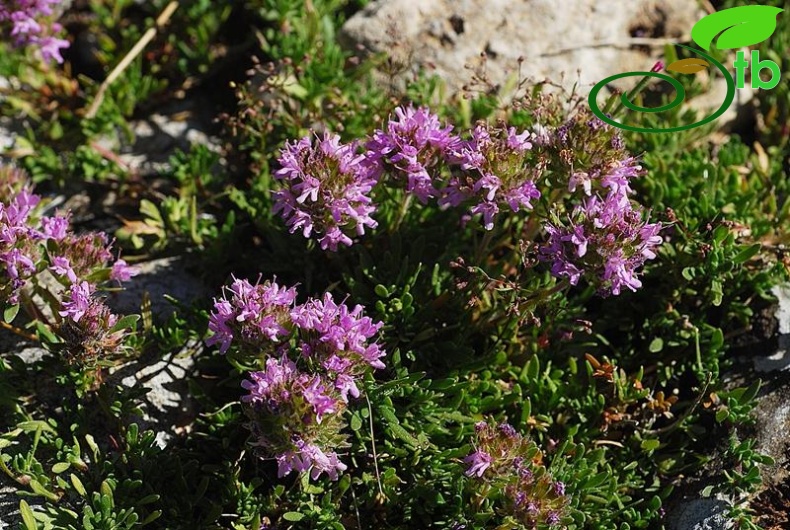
[480, 252]
[404, 208]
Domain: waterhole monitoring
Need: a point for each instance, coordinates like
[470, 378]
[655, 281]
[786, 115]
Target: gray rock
[780, 359]
[157, 137]
[782, 293]
[777, 361]
[168, 407]
[772, 421]
[593, 37]
[160, 277]
[700, 514]
[569, 42]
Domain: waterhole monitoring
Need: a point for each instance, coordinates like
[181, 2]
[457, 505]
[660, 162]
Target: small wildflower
[606, 241]
[412, 148]
[28, 26]
[78, 302]
[497, 170]
[508, 430]
[326, 187]
[122, 271]
[478, 462]
[55, 227]
[340, 331]
[300, 403]
[253, 314]
[62, 267]
[509, 464]
[87, 327]
[559, 488]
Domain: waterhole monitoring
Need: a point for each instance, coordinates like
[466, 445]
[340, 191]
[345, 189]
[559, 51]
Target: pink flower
[478, 462]
[604, 240]
[412, 148]
[78, 302]
[61, 266]
[326, 188]
[496, 170]
[28, 26]
[55, 227]
[122, 272]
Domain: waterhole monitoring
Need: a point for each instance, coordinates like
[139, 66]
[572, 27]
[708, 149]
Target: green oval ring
[592, 98]
[680, 94]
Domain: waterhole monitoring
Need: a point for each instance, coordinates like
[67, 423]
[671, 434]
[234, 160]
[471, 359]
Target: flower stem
[18, 331]
[485, 242]
[404, 208]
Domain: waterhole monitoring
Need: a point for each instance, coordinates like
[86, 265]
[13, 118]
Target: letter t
[740, 64]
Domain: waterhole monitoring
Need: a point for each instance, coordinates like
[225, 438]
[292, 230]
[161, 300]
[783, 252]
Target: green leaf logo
[741, 26]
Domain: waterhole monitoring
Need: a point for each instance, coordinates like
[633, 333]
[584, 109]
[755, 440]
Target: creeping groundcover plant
[351, 299]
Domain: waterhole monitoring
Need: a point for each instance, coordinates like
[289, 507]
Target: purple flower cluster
[252, 314]
[31, 243]
[25, 21]
[605, 239]
[312, 356]
[327, 184]
[20, 243]
[326, 189]
[281, 392]
[496, 170]
[87, 326]
[413, 148]
[511, 465]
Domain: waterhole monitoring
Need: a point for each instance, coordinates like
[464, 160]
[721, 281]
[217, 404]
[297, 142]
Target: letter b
[758, 65]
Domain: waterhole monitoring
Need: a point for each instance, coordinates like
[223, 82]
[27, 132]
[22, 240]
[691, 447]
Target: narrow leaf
[27, 516]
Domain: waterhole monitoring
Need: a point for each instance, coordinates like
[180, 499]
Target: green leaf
[149, 209]
[650, 444]
[656, 345]
[722, 414]
[127, 322]
[45, 334]
[148, 499]
[747, 253]
[39, 489]
[153, 516]
[596, 480]
[60, 467]
[93, 445]
[35, 425]
[739, 27]
[293, 516]
[716, 339]
[750, 393]
[78, 485]
[394, 427]
[717, 291]
[27, 516]
[10, 313]
[356, 423]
